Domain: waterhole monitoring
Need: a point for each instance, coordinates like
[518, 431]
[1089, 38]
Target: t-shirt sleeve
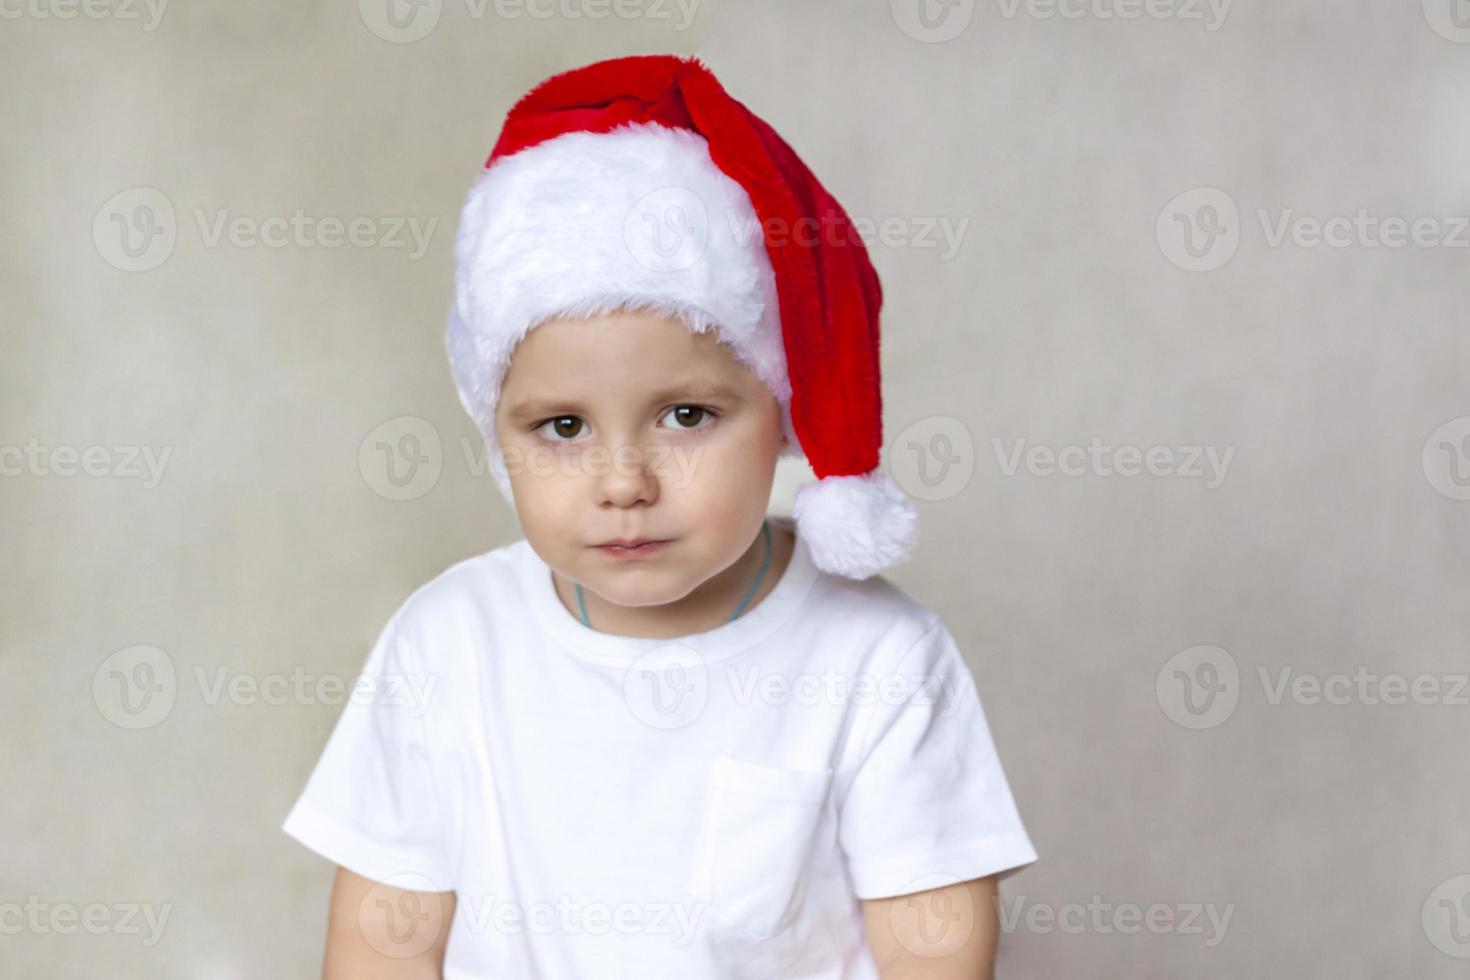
[371, 804]
[929, 804]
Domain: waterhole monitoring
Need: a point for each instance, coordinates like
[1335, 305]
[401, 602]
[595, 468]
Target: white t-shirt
[617, 807]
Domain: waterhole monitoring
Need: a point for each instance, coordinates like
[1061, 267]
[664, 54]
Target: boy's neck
[707, 607]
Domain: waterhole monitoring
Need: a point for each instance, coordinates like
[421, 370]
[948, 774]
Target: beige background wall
[266, 542]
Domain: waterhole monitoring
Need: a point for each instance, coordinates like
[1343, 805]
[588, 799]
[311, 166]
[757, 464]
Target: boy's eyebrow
[539, 407]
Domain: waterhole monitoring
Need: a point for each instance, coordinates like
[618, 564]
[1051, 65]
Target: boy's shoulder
[876, 606]
[470, 587]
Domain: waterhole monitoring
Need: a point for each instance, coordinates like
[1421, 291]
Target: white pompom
[856, 526]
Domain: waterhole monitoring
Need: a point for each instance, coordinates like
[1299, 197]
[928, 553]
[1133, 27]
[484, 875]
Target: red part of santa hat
[546, 232]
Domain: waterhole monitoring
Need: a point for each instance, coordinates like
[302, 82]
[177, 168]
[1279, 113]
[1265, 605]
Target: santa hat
[638, 183]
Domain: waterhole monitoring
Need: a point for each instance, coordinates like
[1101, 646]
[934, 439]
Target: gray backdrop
[1174, 356]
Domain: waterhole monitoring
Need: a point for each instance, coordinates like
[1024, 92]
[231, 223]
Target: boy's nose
[629, 477]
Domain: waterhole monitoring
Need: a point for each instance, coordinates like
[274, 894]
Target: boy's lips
[632, 547]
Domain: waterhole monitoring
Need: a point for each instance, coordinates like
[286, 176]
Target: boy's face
[631, 426]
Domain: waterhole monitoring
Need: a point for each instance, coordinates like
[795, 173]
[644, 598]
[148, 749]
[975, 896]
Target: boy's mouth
[632, 547]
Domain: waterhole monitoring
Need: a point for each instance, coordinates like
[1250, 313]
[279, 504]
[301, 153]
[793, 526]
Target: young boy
[666, 735]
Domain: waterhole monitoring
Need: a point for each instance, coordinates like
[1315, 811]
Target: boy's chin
[645, 586]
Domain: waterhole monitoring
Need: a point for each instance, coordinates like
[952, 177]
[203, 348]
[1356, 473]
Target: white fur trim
[637, 218]
[856, 526]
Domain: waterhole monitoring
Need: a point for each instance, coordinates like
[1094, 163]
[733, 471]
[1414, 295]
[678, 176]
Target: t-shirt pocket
[755, 842]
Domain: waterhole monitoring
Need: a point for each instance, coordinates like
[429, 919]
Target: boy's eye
[689, 416]
[562, 427]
